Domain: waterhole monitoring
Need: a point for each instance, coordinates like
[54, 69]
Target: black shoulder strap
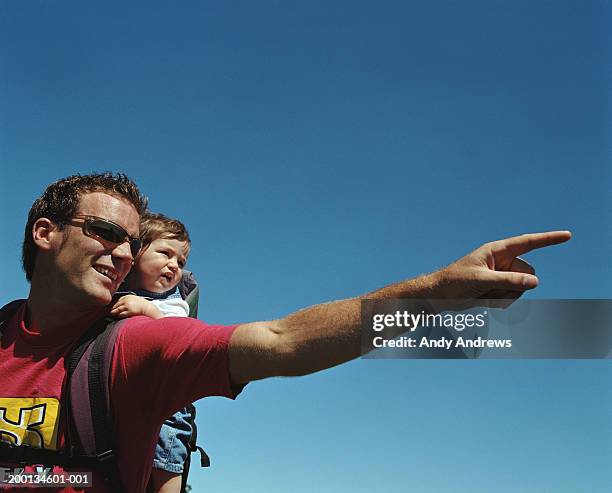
[25, 455]
[7, 311]
[89, 378]
[193, 447]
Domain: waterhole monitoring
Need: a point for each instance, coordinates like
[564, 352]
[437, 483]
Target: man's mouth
[105, 271]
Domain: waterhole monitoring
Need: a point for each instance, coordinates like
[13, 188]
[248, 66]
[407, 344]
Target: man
[80, 241]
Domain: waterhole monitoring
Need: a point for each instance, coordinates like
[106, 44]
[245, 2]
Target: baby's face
[159, 267]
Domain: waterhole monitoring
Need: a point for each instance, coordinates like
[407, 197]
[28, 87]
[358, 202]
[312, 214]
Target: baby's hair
[154, 226]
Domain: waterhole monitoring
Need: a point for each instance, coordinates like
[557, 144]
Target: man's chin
[100, 298]
[101, 302]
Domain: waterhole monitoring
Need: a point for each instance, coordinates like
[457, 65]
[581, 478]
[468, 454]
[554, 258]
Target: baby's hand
[131, 305]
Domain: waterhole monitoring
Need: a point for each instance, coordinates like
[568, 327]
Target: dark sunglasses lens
[112, 233]
[106, 231]
[134, 247]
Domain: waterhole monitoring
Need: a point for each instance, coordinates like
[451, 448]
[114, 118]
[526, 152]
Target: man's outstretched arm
[326, 335]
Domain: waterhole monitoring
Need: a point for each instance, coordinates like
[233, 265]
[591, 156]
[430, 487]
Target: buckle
[106, 456]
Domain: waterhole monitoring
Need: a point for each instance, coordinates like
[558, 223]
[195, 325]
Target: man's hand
[495, 270]
[131, 305]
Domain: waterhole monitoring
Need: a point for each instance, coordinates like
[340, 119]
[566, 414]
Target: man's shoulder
[171, 330]
[143, 323]
[148, 350]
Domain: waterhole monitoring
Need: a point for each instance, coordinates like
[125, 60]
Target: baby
[157, 270]
[154, 278]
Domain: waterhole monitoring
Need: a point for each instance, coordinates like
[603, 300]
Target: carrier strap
[86, 400]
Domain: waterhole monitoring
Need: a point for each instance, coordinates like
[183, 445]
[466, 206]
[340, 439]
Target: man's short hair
[154, 226]
[60, 202]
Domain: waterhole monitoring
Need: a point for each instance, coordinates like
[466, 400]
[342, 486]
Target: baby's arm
[130, 305]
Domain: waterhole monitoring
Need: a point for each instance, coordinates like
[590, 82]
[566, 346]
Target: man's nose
[123, 252]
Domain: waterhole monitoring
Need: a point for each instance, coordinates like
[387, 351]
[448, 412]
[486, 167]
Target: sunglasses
[108, 231]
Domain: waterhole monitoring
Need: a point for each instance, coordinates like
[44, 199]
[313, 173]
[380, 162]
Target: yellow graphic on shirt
[29, 421]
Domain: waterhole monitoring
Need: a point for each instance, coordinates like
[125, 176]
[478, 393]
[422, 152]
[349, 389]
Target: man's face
[92, 269]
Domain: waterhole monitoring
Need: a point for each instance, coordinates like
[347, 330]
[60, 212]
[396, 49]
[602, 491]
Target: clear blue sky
[318, 150]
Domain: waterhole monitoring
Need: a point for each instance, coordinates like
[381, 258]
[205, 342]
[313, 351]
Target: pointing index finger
[518, 245]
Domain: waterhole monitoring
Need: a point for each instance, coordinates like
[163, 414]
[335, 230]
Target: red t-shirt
[158, 367]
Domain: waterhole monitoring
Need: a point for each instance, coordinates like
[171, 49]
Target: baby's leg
[165, 482]
[171, 453]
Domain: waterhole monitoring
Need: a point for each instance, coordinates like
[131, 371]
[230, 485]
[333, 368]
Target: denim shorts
[172, 444]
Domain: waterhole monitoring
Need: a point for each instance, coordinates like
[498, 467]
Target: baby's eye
[165, 252]
[181, 264]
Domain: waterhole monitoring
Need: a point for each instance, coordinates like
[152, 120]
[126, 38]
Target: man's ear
[45, 233]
